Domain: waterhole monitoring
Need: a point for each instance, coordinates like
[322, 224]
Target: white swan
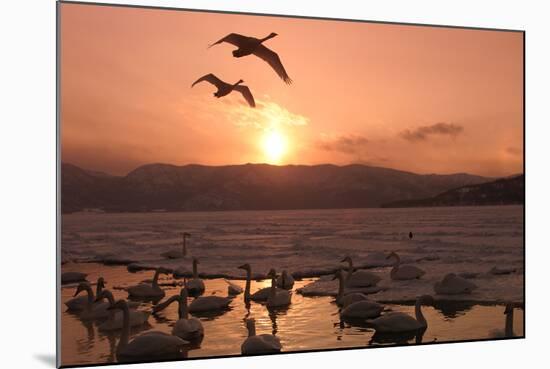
[259, 344]
[189, 329]
[177, 254]
[195, 286]
[285, 281]
[452, 284]
[148, 291]
[397, 322]
[232, 288]
[115, 320]
[359, 278]
[508, 324]
[343, 299]
[405, 272]
[260, 295]
[277, 297]
[93, 310]
[79, 303]
[147, 346]
[362, 310]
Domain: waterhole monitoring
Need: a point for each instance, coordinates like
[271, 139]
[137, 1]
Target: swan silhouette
[453, 284]
[177, 254]
[148, 291]
[93, 310]
[254, 46]
[259, 344]
[79, 303]
[360, 278]
[397, 322]
[508, 324]
[343, 299]
[405, 272]
[285, 280]
[260, 295]
[148, 346]
[195, 286]
[362, 310]
[225, 88]
[277, 297]
[189, 329]
[116, 320]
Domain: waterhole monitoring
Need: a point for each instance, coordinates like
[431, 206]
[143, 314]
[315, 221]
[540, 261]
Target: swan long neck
[350, 269]
[156, 278]
[90, 295]
[397, 260]
[418, 313]
[247, 286]
[509, 326]
[183, 311]
[165, 304]
[251, 327]
[195, 269]
[125, 336]
[99, 288]
[270, 36]
[273, 290]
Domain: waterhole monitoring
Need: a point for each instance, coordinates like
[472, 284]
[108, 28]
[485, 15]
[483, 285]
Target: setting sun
[274, 146]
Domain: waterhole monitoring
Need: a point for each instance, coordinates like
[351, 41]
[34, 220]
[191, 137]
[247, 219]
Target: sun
[274, 146]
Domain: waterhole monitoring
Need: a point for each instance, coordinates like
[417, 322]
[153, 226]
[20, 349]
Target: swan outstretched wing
[232, 38]
[274, 61]
[210, 78]
[245, 91]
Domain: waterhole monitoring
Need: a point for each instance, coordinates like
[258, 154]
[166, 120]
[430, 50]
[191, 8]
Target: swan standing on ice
[259, 344]
[79, 303]
[260, 295]
[508, 325]
[115, 321]
[397, 322]
[189, 329]
[253, 46]
[195, 286]
[452, 284]
[93, 310]
[405, 272]
[177, 254]
[225, 88]
[277, 297]
[147, 346]
[360, 278]
[148, 291]
[343, 299]
[285, 281]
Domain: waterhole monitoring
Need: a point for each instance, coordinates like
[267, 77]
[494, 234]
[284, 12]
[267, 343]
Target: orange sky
[423, 99]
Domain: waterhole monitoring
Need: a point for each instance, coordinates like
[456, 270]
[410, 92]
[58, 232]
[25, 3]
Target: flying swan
[254, 46]
[226, 88]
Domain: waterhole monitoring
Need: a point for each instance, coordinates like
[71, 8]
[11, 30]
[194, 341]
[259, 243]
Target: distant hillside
[506, 191]
[249, 187]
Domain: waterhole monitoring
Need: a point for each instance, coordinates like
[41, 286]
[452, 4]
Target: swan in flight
[79, 303]
[285, 281]
[115, 321]
[196, 285]
[359, 278]
[277, 297]
[405, 272]
[256, 344]
[396, 322]
[148, 346]
[189, 329]
[226, 88]
[177, 254]
[260, 295]
[362, 310]
[148, 291]
[452, 284]
[93, 310]
[508, 324]
[343, 299]
[254, 46]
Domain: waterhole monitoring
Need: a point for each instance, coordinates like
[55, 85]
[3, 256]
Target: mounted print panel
[243, 184]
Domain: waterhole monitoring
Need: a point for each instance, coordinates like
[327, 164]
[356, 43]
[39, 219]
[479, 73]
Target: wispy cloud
[348, 144]
[266, 115]
[424, 132]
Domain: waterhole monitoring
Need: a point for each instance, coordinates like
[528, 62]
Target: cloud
[349, 144]
[266, 115]
[439, 129]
